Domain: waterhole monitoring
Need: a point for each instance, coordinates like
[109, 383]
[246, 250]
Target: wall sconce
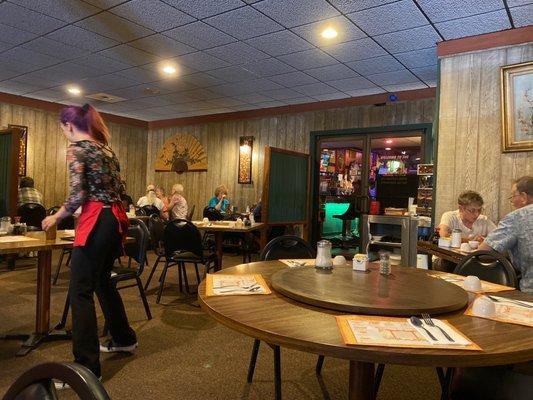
[245, 159]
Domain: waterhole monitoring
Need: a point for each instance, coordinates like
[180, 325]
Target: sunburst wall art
[181, 153]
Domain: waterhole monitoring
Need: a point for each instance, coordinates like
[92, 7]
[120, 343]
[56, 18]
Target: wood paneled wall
[470, 129]
[46, 151]
[288, 131]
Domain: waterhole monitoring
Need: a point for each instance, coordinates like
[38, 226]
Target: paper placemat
[367, 330]
[15, 239]
[512, 313]
[230, 285]
[298, 262]
[69, 232]
[486, 287]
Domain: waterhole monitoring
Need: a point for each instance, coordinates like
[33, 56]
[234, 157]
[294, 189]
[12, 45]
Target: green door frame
[427, 140]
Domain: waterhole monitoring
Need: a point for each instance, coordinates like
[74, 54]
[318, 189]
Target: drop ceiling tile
[279, 43]
[418, 58]
[201, 79]
[237, 53]
[293, 79]
[152, 14]
[426, 74]
[5, 46]
[235, 89]
[351, 84]
[6, 73]
[389, 18]
[49, 94]
[205, 8]
[129, 55]
[253, 97]
[315, 89]
[393, 78]
[412, 39]
[55, 49]
[365, 92]
[162, 46]
[107, 82]
[517, 3]
[232, 74]
[75, 36]
[155, 101]
[308, 59]
[13, 15]
[200, 36]
[68, 11]
[224, 102]
[355, 50]
[332, 72]
[181, 70]
[20, 67]
[346, 31]
[140, 74]
[104, 4]
[475, 25]
[244, 23]
[202, 94]
[301, 100]
[376, 65]
[114, 27]
[42, 79]
[522, 16]
[30, 57]
[17, 87]
[104, 64]
[11, 35]
[438, 10]
[270, 104]
[405, 86]
[331, 96]
[291, 13]
[348, 6]
[280, 94]
[201, 61]
[268, 67]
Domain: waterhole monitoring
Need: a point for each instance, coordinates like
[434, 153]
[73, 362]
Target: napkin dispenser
[360, 262]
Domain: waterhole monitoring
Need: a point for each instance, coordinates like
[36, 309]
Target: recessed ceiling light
[388, 141]
[387, 148]
[75, 90]
[329, 33]
[404, 152]
[169, 69]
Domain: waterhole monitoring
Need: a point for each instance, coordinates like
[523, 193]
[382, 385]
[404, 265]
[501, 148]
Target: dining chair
[32, 214]
[183, 245]
[489, 266]
[286, 246]
[65, 223]
[150, 210]
[156, 226]
[190, 213]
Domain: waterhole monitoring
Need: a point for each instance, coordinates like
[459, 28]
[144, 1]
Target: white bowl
[472, 283]
[339, 260]
[483, 307]
[474, 244]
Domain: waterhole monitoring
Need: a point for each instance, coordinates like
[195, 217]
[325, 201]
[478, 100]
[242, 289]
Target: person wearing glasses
[515, 232]
[467, 218]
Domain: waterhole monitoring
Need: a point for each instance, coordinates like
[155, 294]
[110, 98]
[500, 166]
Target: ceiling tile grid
[232, 54]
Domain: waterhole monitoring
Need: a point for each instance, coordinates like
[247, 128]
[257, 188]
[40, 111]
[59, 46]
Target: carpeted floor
[183, 353]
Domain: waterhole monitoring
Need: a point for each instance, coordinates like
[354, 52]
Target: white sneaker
[111, 347]
[62, 385]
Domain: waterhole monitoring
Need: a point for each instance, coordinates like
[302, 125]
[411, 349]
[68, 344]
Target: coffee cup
[339, 260]
[474, 244]
[483, 307]
[472, 283]
[205, 220]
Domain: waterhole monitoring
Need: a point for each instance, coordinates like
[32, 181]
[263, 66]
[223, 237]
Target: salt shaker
[323, 255]
[384, 264]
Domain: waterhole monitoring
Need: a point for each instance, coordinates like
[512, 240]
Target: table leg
[263, 238]
[218, 245]
[361, 381]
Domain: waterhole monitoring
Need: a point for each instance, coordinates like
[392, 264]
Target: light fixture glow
[404, 152]
[169, 69]
[329, 33]
[388, 141]
[76, 91]
[417, 159]
[387, 148]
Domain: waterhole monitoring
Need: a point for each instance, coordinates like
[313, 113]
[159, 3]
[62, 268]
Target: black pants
[90, 272]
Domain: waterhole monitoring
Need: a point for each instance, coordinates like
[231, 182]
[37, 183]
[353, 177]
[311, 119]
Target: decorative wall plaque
[181, 153]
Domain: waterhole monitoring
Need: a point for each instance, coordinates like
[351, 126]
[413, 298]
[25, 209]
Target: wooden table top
[406, 292]
[285, 322]
[226, 226]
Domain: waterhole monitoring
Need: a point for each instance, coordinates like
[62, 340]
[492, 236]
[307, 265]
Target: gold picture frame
[517, 107]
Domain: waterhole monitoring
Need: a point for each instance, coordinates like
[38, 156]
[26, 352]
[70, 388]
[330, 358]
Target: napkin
[237, 285]
[441, 339]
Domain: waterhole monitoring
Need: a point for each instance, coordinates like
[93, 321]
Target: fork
[229, 289]
[427, 319]
[518, 302]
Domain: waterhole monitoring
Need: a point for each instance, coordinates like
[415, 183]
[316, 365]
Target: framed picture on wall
[23, 147]
[517, 107]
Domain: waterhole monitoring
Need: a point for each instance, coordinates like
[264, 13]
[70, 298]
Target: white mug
[472, 282]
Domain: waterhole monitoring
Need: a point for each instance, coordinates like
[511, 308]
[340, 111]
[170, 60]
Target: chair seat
[123, 273]
[187, 256]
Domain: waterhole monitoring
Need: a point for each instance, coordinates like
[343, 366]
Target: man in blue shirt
[515, 232]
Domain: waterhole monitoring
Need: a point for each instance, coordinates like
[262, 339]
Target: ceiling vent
[108, 98]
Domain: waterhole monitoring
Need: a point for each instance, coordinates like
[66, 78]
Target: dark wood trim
[56, 107]
[266, 185]
[13, 174]
[297, 108]
[485, 41]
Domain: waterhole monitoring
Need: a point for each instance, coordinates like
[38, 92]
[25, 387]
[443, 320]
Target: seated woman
[178, 205]
[467, 218]
[220, 201]
[160, 193]
[150, 199]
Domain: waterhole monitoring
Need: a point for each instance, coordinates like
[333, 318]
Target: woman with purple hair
[96, 186]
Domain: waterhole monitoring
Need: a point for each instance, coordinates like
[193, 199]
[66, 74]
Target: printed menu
[486, 287]
[507, 311]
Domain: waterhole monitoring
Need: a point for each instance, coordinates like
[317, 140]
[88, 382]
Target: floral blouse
[94, 174]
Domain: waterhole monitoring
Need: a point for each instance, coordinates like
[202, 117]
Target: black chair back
[65, 223]
[156, 226]
[190, 213]
[489, 266]
[287, 246]
[32, 214]
[137, 250]
[182, 236]
[150, 210]
[212, 214]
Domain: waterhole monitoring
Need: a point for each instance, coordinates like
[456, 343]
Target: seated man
[28, 193]
[515, 232]
[467, 218]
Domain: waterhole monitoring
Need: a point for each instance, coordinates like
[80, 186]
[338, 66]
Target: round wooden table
[281, 321]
